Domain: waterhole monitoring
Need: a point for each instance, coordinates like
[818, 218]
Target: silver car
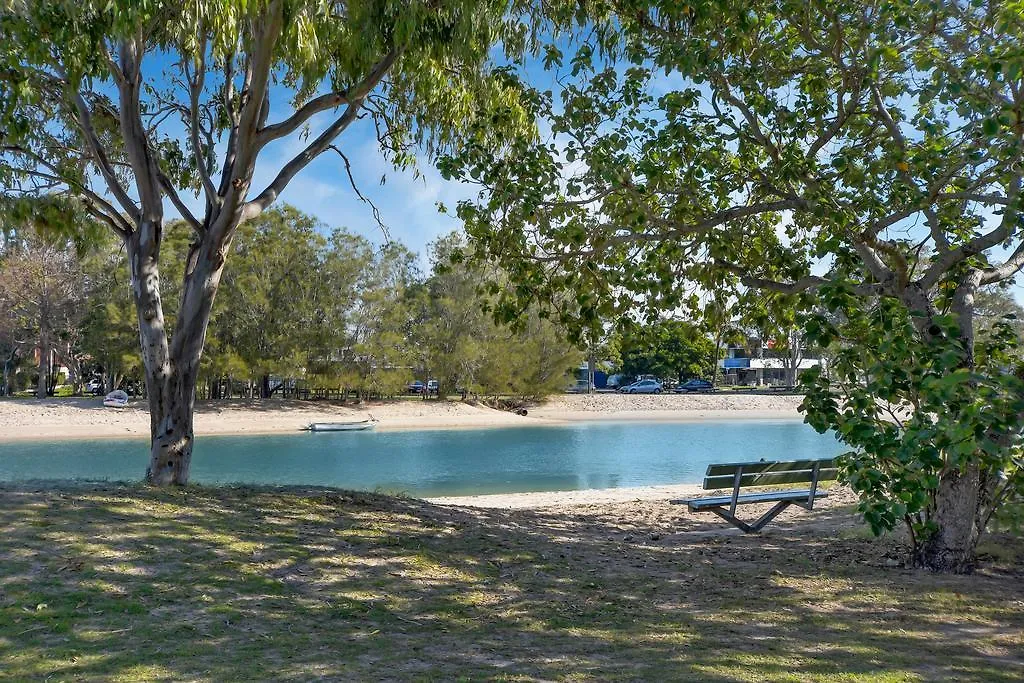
[644, 386]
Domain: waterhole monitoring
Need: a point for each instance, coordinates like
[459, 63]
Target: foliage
[332, 310]
[879, 141]
[361, 343]
[668, 348]
[995, 304]
[913, 413]
[453, 339]
[274, 299]
[40, 298]
[109, 333]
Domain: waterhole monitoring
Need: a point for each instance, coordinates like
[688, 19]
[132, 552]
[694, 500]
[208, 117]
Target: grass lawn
[112, 582]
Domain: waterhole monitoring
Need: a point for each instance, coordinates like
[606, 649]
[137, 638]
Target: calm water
[442, 463]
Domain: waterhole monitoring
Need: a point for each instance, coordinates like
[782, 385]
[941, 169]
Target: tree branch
[253, 208]
[136, 142]
[100, 154]
[803, 284]
[982, 243]
[123, 227]
[195, 88]
[92, 210]
[228, 98]
[355, 188]
[242, 152]
[278, 130]
[172, 194]
[872, 261]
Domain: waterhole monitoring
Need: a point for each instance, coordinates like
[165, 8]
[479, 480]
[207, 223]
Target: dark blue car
[696, 386]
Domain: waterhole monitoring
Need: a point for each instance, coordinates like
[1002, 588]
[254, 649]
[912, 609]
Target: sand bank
[87, 418]
[558, 499]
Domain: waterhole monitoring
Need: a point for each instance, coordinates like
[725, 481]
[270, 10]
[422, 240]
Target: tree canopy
[668, 348]
[867, 155]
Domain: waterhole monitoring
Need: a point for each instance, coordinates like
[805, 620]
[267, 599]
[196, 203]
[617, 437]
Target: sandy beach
[87, 418]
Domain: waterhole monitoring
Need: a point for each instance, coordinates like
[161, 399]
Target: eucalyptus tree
[869, 153]
[368, 326]
[130, 106]
[449, 324]
[454, 337]
[528, 361]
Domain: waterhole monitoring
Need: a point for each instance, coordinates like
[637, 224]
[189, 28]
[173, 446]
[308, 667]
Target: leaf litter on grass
[130, 583]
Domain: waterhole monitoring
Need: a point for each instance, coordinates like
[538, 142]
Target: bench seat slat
[767, 466]
[726, 481]
[696, 504]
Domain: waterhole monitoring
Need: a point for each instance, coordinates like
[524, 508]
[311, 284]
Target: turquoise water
[442, 463]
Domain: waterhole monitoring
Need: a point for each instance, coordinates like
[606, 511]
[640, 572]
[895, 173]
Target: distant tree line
[303, 305]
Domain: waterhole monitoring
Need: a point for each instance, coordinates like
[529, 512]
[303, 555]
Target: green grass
[126, 583]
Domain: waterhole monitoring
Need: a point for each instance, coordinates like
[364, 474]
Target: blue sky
[407, 204]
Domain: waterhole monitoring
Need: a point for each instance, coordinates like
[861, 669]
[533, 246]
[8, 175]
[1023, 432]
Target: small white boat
[361, 425]
[116, 399]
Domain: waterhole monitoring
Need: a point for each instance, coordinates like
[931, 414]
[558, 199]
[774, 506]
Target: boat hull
[340, 426]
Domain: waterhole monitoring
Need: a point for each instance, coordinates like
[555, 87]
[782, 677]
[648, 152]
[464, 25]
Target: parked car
[94, 387]
[644, 386]
[416, 387]
[696, 386]
[432, 386]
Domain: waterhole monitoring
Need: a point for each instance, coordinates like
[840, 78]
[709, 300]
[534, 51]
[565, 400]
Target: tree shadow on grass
[110, 581]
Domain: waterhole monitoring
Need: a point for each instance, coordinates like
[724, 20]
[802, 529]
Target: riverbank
[73, 418]
[669, 407]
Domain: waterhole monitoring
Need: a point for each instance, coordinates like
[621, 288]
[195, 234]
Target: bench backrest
[738, 475]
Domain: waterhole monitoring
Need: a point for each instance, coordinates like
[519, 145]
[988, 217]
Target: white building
[754, 365]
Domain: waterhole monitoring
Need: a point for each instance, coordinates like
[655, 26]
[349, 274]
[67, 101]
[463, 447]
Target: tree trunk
[113, 381]
[44, 364]
[53, 378]
[591, 366]
[714, 363]
[265, 386]
[172, 370]
[960, 502]
[951, 548]
[5, 388]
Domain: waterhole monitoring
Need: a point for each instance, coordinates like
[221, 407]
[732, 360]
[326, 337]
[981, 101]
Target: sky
[407, 204]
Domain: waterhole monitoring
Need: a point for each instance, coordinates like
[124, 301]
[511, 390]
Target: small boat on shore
[356, 426]
[116, 399]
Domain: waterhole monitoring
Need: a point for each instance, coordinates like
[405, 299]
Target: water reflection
[434, 463]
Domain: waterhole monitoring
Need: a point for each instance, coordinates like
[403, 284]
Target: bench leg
[724, 514]
[770, 515]
[756, 526]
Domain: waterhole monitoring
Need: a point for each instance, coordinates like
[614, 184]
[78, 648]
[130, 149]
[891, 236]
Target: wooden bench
[741, 475]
